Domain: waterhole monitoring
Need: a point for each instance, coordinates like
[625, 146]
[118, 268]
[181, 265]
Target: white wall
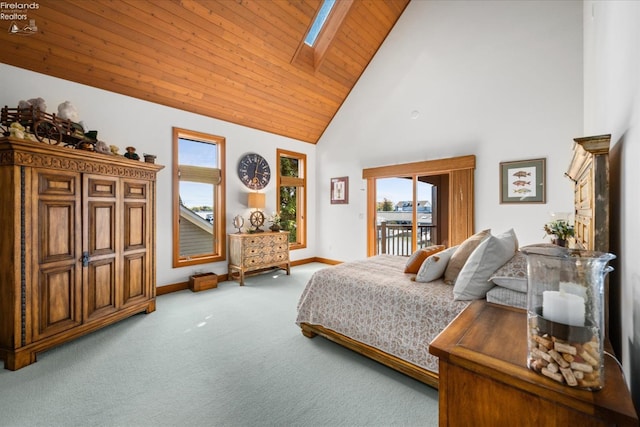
[501, 80]
[123, 121]
[612, 105]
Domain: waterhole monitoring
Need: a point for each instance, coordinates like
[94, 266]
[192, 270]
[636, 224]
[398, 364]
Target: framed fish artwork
[523, 181]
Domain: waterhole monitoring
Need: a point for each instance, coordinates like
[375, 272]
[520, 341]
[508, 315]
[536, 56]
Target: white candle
[562, 307]
[574, 288]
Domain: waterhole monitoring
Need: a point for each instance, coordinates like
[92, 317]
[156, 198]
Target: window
[198, 198]
[322, 31]
[292, 196]
[319, 22]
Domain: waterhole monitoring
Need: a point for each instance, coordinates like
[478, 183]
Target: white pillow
[433, 267]
[513, 274]
[473, 281]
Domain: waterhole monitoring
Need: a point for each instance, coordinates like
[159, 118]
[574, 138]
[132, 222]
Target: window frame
[219, 212]
[300, 183]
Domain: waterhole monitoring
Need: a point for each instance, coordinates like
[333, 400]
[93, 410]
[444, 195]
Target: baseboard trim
[302, 261]
[181, 286]
[175, 287]
[327, 261]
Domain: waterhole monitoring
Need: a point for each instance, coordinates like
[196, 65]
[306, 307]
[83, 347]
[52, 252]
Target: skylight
[319, 22]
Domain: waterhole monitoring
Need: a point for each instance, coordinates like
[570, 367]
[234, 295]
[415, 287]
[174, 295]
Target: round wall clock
[254, 171]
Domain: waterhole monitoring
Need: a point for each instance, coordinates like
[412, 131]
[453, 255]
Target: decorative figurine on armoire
[131, 153]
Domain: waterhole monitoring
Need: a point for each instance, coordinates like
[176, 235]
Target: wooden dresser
[258, 251]
[484, 379]
[77, 246]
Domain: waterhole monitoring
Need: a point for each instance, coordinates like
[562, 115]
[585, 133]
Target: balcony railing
[395, 239]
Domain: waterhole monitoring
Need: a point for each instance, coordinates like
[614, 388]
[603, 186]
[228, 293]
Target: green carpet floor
[230, 356]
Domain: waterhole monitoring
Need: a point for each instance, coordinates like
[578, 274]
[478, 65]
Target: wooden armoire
[589, 170]
[77, 244]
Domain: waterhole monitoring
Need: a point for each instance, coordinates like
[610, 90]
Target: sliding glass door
[413, 205]
[426, 225]
[404, 216]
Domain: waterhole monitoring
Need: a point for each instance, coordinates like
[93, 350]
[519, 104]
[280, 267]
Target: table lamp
[256, 201]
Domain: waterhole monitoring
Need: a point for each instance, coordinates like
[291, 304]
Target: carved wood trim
[24, 153]
[77, 165]
[23, 262]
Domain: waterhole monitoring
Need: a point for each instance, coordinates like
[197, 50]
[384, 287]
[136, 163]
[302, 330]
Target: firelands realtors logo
[17, 16]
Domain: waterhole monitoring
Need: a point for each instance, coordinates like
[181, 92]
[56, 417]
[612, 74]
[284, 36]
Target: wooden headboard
[589, 170]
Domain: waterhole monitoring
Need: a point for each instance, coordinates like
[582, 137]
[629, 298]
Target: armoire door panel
[583, 190]
[100, 187]
[58, 299]
[135, 226]
[135, 277]
[135, 190]
[56, 184]
[102, 242]
[101, 288]
[102, 228]
[56, 230]
[55, 253]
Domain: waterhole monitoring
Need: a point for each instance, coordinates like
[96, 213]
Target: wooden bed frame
[393, 362]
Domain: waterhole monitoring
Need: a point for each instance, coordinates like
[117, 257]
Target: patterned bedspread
[372, 301]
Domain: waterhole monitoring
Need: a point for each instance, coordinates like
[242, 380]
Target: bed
[385, 310]
[393, 325]
[372, 307]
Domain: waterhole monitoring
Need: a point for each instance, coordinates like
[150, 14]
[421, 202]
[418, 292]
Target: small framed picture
[340, 190]
[523, 181]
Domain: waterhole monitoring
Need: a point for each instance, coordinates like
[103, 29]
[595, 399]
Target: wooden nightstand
[484, 379]
[258, 251]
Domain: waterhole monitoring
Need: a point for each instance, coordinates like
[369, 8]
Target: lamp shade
[256, 200]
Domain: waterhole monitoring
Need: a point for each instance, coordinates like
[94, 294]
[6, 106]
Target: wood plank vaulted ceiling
[242, 61]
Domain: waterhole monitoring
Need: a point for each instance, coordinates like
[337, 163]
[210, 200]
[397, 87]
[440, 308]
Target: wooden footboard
[421, 374]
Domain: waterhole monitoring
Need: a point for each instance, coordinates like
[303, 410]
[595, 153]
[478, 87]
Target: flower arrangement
[275, 219]
[559, 228]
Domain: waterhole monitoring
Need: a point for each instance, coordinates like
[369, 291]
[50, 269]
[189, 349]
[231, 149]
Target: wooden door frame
[460, 195]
